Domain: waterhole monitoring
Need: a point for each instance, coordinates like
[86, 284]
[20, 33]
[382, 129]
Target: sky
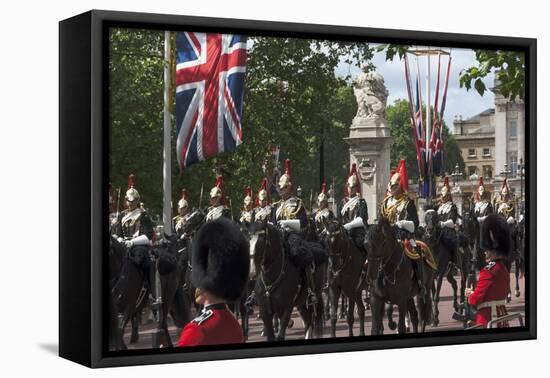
[459, 100]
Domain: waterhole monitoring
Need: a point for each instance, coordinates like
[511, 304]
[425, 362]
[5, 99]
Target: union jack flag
[210, 70]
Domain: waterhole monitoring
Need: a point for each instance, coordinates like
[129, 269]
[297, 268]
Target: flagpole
[167, 166]
[428, 125]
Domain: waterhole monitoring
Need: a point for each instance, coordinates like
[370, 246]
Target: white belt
[493, 305]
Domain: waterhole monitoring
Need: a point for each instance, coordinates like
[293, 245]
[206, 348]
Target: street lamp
[456, 174]
[521, 169]
[506, 171]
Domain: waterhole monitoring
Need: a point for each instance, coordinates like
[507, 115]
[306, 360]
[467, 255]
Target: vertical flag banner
[210, 72]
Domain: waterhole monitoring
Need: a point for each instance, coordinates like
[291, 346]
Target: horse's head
[379, 239]
[431, 219]
[334, 237]
[193, 221]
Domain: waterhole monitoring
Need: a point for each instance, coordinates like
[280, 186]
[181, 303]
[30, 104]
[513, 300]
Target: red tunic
[493, 285]
[215, 325]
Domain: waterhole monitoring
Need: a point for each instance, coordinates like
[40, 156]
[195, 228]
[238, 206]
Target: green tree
[398, 117]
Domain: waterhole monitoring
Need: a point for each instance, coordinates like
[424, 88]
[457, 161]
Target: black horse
[279, 287]
[447, 258]
[516, 256]
[129, 291]
[345, 265]
[172, 266]
[391, 279]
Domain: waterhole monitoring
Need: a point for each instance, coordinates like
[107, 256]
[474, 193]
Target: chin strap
[290, 224]
[405, 225]
[356, 223]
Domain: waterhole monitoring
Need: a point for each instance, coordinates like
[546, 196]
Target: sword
[311, 201]
[231, 209]
[200, 198]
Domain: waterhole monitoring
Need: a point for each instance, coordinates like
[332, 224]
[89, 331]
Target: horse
[128, 289]
[391, 279]
[172, 265]
[345, 265]
[446, 258]
[516, 257]
[279, 287]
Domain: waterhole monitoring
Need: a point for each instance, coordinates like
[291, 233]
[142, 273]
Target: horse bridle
[269, 287]
[348, 259]
[383, 264]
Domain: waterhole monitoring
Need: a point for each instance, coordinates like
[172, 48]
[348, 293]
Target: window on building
[512, 160]
[471, 152]
[472, 170]
[486, 151]
[487, 171]
[513, 131]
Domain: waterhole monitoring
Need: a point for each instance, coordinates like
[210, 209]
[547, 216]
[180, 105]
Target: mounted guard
[354, 212]
[505, 204]
[324, 214]
[482, 208]
[178, 222]
[263, 208]
[134, 229]
[400, 210]
[448, 218]
[247, 212]
[290, 216]
[217, 202]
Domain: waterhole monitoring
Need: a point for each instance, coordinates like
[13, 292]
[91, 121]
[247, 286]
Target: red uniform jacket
[493, 285]
[215, 325]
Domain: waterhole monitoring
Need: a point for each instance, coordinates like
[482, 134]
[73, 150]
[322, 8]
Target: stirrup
[311, 298]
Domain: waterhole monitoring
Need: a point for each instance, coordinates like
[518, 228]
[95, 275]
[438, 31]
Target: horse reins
[269, 287]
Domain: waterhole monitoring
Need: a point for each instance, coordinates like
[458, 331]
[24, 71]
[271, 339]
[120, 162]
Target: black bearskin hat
[495, 235]
[221, 262]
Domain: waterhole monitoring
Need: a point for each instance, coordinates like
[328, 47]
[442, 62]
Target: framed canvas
[235, 188]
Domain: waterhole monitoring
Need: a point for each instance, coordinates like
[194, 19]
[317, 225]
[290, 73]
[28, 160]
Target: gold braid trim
[426, 251]
[390, 212]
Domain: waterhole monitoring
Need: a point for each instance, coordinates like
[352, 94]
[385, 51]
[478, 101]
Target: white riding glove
[405, 225]
[511, 220]
[448, 223]
[138, 240]
[481, 219]
[290, 224]
[357, 222]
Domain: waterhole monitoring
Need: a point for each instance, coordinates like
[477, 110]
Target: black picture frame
[83, 48]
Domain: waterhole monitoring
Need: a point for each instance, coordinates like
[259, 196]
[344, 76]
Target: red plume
[504, 183]
[480, 182]
[288, 171]
[446, 181]
[184, 194]
[404, 179]
[219, 184]
[131, 181]
[247, 191]
[324, 188]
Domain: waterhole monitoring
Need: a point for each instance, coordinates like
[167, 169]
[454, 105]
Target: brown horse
[391, 279]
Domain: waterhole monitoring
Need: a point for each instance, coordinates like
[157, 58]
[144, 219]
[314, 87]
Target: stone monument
[370, 140]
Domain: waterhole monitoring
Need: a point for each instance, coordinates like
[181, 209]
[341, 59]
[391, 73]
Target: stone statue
[371, 95]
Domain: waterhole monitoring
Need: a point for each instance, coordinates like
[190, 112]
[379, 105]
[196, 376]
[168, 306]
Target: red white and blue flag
[210, 72]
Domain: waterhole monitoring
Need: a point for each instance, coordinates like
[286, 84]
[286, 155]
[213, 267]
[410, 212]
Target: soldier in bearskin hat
[247, 212]
[489, 296]
[220, 273]
[354, 211]
[400, 210]
[291, 217]
[217, 207]
[178, 222]
[447, 213]
[323, 214]
[134, 229]
[505, 205]
[263, 210]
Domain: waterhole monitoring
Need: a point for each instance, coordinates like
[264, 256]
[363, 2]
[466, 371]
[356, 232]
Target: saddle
[414, 254]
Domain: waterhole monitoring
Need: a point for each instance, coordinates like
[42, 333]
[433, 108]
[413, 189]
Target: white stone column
[501, 143]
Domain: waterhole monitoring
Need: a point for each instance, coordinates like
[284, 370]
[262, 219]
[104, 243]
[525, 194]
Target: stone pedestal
[370, 146]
